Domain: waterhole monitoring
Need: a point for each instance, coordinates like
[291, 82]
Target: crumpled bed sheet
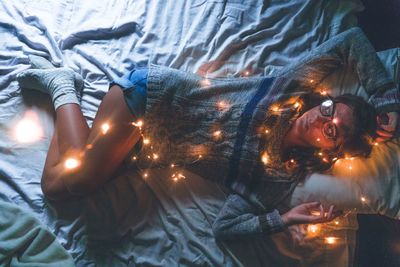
[24, 241]
[154, 222]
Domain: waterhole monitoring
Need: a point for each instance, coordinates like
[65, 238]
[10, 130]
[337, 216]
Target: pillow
[369, 185]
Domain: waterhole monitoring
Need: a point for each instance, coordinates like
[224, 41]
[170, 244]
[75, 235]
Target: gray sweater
[212, 126]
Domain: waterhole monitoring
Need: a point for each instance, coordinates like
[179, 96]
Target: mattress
[152, 222]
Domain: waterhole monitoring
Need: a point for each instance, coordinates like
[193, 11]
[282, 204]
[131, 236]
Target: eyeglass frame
[331, 117]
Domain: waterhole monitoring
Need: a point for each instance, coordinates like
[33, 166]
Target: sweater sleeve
[238, 218]
[351, 48]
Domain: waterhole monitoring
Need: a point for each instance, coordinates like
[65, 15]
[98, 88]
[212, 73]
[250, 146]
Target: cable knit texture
[222, 119]
[62, 84]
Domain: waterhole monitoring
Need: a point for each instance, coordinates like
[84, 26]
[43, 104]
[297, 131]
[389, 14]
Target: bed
[154, 221]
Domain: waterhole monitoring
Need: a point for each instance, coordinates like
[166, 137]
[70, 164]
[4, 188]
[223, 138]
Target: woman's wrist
[286, 219]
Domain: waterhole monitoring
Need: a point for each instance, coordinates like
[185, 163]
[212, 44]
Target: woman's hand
[387, 123]
[303, 213]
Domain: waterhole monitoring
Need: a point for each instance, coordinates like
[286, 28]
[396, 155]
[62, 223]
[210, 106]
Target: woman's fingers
[330, 213]
[387, 123]
[388, 128]
[322, 211]
[383, 136]
[383, 133]
[312, 205]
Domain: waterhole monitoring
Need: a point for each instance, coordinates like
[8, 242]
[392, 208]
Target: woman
[260, 136]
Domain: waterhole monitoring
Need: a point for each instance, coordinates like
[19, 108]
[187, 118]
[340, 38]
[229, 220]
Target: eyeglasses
[329, 129]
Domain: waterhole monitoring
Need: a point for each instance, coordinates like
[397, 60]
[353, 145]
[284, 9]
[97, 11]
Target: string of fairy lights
[26, 125]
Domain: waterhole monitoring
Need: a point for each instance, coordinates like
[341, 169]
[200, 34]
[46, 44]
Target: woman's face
[324, 131]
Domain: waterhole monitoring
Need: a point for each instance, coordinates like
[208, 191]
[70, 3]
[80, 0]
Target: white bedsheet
[155, 223]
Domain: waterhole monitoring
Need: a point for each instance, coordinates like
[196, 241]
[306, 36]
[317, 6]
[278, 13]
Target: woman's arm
[352, 48]
[238, 218]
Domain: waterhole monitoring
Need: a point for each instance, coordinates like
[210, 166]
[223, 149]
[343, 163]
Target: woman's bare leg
[99, 153]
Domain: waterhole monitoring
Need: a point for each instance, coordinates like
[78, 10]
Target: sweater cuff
[388, 102]
[271, 222]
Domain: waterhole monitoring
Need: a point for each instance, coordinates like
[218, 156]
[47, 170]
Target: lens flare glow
[28, 129]
[138, 123]
[331, 240]
[275, 108]
[313, 228]
[105, 127]
[71, 163]
[264, 158]
[146, 141]
[217, 134]
[205, 83]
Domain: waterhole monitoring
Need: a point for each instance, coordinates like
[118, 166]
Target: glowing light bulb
[323, 92]
[155, 156]
[330, 240]
[313, 228]
[138, 123]
[264, 158]
[350, 167]
[146, 141]
[105, 127]
[172, 165]
[134, 158]
[200, 156]
[311, 81]
[217, 134]
[205, 82]
[376, 144]
[71, 163]
[335, 120]
[145, 175]
[363, 199]
[89, 146]
[28, 129]
[320, 154]
[318, 139]
[292, 161]
[246, 73]
[296, 105]
[337, 222]
[267, 131]
[275, 108]
[222, 104]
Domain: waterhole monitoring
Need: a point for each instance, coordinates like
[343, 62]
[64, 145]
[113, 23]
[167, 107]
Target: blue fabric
[246, 116]
[134, 87]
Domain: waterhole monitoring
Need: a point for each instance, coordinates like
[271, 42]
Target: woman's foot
[62, 84]
[42, 63]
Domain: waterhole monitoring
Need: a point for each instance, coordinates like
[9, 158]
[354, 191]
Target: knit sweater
[213, 127]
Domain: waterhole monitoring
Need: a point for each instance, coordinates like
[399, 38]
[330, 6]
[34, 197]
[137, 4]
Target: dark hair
[358, 144]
